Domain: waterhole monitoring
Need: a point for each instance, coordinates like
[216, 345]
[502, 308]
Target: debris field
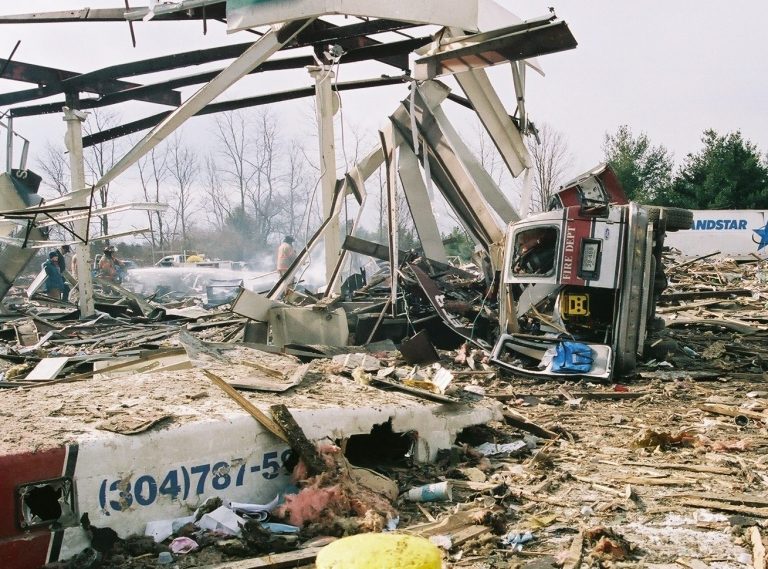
[666, 468]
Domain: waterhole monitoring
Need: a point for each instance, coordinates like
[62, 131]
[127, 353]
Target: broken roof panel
[500, 46]
[243, 14]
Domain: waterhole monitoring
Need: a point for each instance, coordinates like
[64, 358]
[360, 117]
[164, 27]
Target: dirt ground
[638, 476]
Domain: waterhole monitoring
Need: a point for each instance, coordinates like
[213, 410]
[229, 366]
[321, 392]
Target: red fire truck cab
[585, 273]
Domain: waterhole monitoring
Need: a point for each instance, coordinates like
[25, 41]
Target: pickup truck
[581, 281]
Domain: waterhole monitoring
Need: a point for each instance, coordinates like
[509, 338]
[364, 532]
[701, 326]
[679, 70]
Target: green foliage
[728, 173]
[458, 244]
[645, 171]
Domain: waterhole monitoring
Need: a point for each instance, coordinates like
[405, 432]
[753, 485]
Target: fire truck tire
[677, 218]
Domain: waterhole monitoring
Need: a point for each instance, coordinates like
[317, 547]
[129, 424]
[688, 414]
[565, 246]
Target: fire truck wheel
[676, 218]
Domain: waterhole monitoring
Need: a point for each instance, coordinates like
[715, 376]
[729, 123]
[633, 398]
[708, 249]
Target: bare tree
[297, 193]
[219, 208]
[237, 147]
[263, 192]
[490, 159]
[183, 169]
[551, 158]
[153, 172]
[100, 158]
[55, 166]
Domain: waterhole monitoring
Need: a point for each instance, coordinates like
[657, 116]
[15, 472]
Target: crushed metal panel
[243, 14]
[497, 122]
[299, 325]
[419, 203]
[14, 259]
[47, 369]
[253, 305]
[437, 299]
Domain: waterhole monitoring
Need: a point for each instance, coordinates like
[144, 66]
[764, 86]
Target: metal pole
[9, 146]
[74, 143]
[327, 105]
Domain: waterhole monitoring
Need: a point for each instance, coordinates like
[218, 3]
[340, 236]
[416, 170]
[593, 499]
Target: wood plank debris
[298, 558]
[725, 507]
[523, 423]
[573, 558]
[586, 471]
[758, 548]
[729, 411]
[299, 442]
[257, 414]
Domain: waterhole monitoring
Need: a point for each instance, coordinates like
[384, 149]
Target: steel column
[74, 143]
[326, 105]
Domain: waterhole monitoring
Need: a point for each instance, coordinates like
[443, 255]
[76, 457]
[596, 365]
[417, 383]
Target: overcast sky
[668, 68]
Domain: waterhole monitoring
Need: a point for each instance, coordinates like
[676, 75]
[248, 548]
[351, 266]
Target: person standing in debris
[110, 266]
[65, 264]
[286, 254]
[54, 282]
[65, 255]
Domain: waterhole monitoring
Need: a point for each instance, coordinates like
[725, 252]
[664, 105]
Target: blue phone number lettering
[120, 495]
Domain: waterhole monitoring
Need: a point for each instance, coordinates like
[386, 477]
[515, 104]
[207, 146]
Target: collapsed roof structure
[418, 144]
[64, 455]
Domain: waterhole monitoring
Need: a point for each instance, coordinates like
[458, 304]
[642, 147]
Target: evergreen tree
[644, 170]
[728, 173]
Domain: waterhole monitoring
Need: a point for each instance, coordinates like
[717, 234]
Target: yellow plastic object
[379, 551]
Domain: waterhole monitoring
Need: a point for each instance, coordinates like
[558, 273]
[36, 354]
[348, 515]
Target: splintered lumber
[730, 411]
[741, 327]
[520, 422]
[741, 499]
[723, 507]
[299, 442]
[648, 481]
[573, 558]
[692, 261]
[693, 295]
[598, 395]
[758, 549]
[705, 468]
[268, 423]
[691, 306]
[273, 561]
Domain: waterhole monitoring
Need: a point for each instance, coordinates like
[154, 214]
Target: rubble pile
[663, 469]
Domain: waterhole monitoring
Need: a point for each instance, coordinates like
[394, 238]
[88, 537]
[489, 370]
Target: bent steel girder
[428, 93]
[354, 183]
[212, 11]
[469, 190]
[264, 47]
[416, 195]
[49, 76]
[448, 185]
[379, 52]
[497, 122]
[323, 33]
[151, 121]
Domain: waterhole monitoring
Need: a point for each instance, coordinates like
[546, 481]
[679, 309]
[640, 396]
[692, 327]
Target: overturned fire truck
[580, 282]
